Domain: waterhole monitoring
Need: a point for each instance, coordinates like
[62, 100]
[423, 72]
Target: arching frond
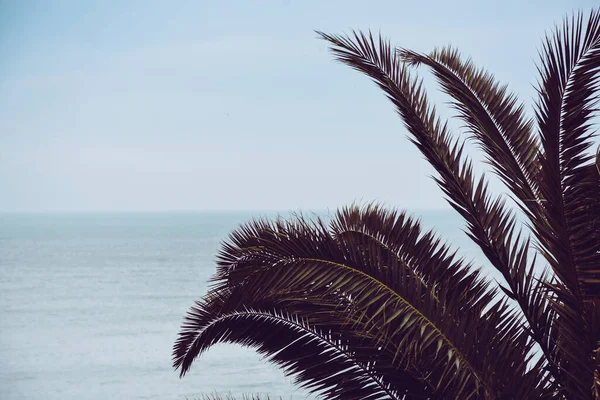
[421, 319]
[493, 116]
[357, 357]
[321, 360]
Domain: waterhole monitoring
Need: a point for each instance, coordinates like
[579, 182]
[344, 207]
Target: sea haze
[90, 305]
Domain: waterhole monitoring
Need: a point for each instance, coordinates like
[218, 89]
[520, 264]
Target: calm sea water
[90, 306]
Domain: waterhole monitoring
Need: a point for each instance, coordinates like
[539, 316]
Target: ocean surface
[90, 305]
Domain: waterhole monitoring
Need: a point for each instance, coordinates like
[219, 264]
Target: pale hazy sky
[204, 105]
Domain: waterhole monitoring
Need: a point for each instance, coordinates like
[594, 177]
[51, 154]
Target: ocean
[90, 305]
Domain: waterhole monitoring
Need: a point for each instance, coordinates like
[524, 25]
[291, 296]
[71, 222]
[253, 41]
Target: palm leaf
[494, 118]
[356, 354]
[570, 187]
[490, 225]
[316, 357]
[401, 310]
[570, 66]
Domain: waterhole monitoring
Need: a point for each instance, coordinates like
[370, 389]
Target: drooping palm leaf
[327, 333]
[425, 327]
[361, 363]
[292, 344]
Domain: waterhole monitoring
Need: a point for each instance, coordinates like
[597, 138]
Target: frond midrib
[432, 325]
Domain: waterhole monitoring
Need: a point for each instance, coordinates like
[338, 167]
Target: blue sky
[227, 105]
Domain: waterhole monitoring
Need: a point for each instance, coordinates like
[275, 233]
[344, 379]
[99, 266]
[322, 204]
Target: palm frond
[320, 313]
[320, 360]
[385, 294]
[568, 89]
[401, 239]
[490, 225]
[494, 118]
[569, 69]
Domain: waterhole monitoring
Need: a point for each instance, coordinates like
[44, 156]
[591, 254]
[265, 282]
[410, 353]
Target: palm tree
[371, 306]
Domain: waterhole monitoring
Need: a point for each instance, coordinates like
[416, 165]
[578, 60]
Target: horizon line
[200, 211]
